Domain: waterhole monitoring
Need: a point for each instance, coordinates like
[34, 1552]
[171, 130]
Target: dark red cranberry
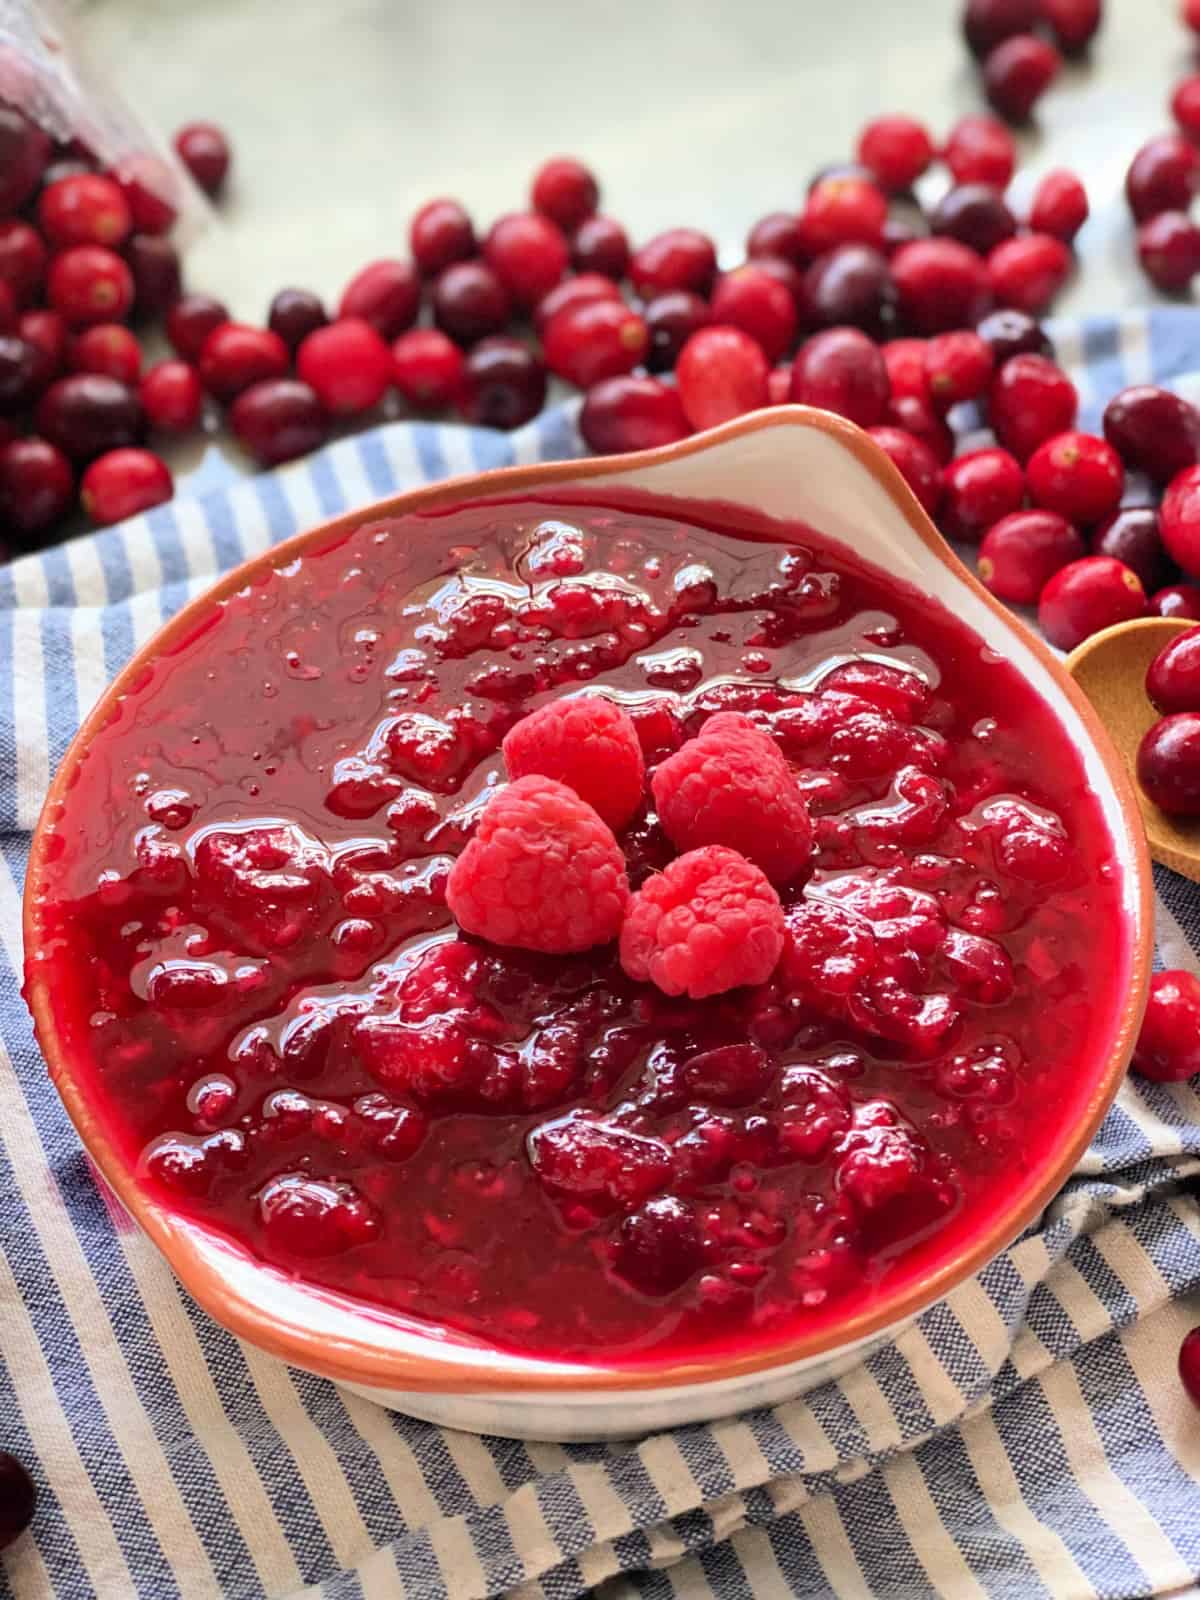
[1153, 430]
[470, 302]
[347, 364]
[1168, 764]
[278, 420]
[980, 488]
[1014, 333]
[1168, 1051]
[631, 413]
[87, 209]
[1022, 552]
[22, 259]
[190, 321]
[204, 151]
[1030, 401]
[1028, 272]
[1177, 600]
[427, 367]
[1074, 23]
[528, 253]
[1185, 105]
[37, 486]
[1162, 176]
[172, 397]
[941, 284]
[503, 384]
[565, 191]
[1173, 677]
[1179, 520]
[843, 211]
[294, 314]
[121, 483]
[46, 333]
[916, 415]
[752, 300]
[987, 23]
[981, 150]
[18, 1499]
[915, 462]
[1087, 595]
[387, 294]
[851, 286]
[24, 153]
[107, 347]
[1077, 475]
[19, 367]
[1168, 248]
[88, 283]
[672, 318]
[235, 355]
[721, 374]
[975, 214]
[572, 292]
[958, 367]
[1017, 74]
[1059, 206]
[595, 341]
[441, 233]
[778, 234]
[157, 279]
[842, 370]
[600, 245]
[896, 149]
[1132, 535]
[147, 185]
[680, 258]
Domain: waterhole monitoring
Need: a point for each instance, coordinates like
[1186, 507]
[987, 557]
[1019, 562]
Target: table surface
[345, 117]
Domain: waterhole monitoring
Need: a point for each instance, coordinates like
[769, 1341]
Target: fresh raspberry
[542, 872]
[588, 743]
[730, 785]
[708, 922]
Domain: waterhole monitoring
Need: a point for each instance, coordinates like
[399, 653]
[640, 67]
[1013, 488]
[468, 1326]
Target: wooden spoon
[1110, 668]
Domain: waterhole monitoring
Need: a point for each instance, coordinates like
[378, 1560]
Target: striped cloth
[1028, 1437]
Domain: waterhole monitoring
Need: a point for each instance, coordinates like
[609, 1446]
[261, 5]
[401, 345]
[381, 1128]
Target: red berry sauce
[244, 930]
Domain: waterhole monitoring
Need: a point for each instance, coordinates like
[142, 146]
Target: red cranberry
[1022, 552]
[278, 419]
[19, 367]
[146, 183]
[1185, 105]
[778, 234]
[427, 368]
[1074, 23]
[1028, 272]
[851, 286]
[595, 341]
[172, 397]
[680, 258]
[721, 373]
[915, 462]
[1030, 401]
[631, 413]
[671, 319]
[87, 209]
[752, 300]
[1088, 595]
[1173, 677]
[1179, 520]
[987, 23]
[347, 364]
[204, 151]
[1077, 475]
[1013, 333]
[107, 347]
[941, 284]
[572, 292]
[387, 294]
[1153, 430]
[88, 283]
[1060, 206]
[157, 277]
[1189, 1350]
[791, 278]
[37, 486]
[469, 301]
[190, 321]
[565, 191]
[294, 314]
[958, 367]
[897, 150]
[1162, 176]
[600, 245]
[123, 482]
[18, 1499]
[975, 214]
[979, 489]
[86, 414]
[440, 234]
[1132, 535]
[1189, 12]
[235, 355]
[843, 211]
[504, 384]
[1177, 600]
[46, 333]
[916, 415]
[843, 371]
[1169, 250]
[24, 153]
[528, 254]
[981, 150]
[659, 1246]
[1168, 769]
[905, 363]
[1017, 74]
[22, 258]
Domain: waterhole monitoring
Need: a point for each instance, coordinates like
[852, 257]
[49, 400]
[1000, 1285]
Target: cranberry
[172, 396]
[278, 419]
[235, 355]
[440, 234]
[24, 153]
[752, 300]
[1177, 600]
[1087, 595]
[1017, 74]
[905, 363]
[680, 258]
[779, 385]
[1162, 176]
[790, 277]
[980, 488]
[123, 482]
[1168, 769]
[659, 1246]
[190, 321]
[528, 253]
[852, 286]
[427, 368]
[1173, 677]
[958, 367]
[86, 414]
[896, 149]
[721, 373]
[1189, 12]
[1185, 105]
[19, 366]
[294, 314]
[87, 209]
[107, 347]
[916, 415]
[915, 462]
[631, 413]
[46, 333]
[387, 294]
[572, 292]
[778, 234]
[1030, 401]
[671, 319]
[1060, 206]
[37, 486]
[1074, 23]
[469, 301]
[843, 371]
[843, 211]
[987, 23]
[504, 384]
[347, 364]
[975, 214]
[1153, 430]
[1179, 520]
[1169, 250]
[22, 258]
[1077, 475]
[981, 150]
[145, 182]
[1022, 552]
[1132, 535]
[1189, 1355]
[204, 151]
[1028, 272]
[600, 245]
[1013, 333]
[595, 341]
[565, 191]
[89, 283]
[941, 284]
[157, 277]
[18, 1499]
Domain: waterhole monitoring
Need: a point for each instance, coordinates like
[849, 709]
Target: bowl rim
[354, 1359]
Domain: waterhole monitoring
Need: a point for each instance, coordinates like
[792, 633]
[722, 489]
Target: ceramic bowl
[787, 462]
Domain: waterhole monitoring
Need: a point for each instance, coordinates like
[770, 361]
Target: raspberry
[731, 786]
[588, 743]
[708, 922]
[543, 872]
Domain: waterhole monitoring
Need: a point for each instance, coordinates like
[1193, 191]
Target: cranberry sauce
[251, 958]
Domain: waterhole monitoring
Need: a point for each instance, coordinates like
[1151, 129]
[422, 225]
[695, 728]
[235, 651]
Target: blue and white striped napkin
[1027, 1438]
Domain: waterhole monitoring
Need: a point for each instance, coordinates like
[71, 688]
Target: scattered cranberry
[427, 368]
[1087, 595]
[843, 371]
[1162, 176]
[721, 373]
[632, 413]
[387, 294]
[123, 482]
[18, 1497]
[19, 366]
[1173, 677]
[941, 284]
[1074, 23]
[46, 333]
[204, 151]
[1017, 74]
[916, 415]
[469, 301]
[347, 364]
[1168, 769]
[595, 341]
[1185, 105]
[107, 347]
[981, 150]
[843, 211]
[503, 385]
[1077, 475]
[1177, 600]
[294, 314]
[1153, 430]
[235, 355]
[1132, 535]
[37, 485]
[1030, 401]
[22, 258]
[571, 292]
[752, 300]
[1189, 1357]
[680, 258]
[87, 209]
[897, 150]
[1012, 333]
[958, 367]
[980, 488]
[278, 419]
[440, 234]
[528, 253]
[172, 397]
[778, 234]
[86, 414]
[600, 245]
[1022, 552]
[1168, 1047]
[915, 462]
[1060, 206]
[190, 321]
[157, 275]
[1168, 248]
[89, 283]
[987, 23]
[851, 285]
[565, 191]
[1028, 272]
[671, 319]
[976, 215]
